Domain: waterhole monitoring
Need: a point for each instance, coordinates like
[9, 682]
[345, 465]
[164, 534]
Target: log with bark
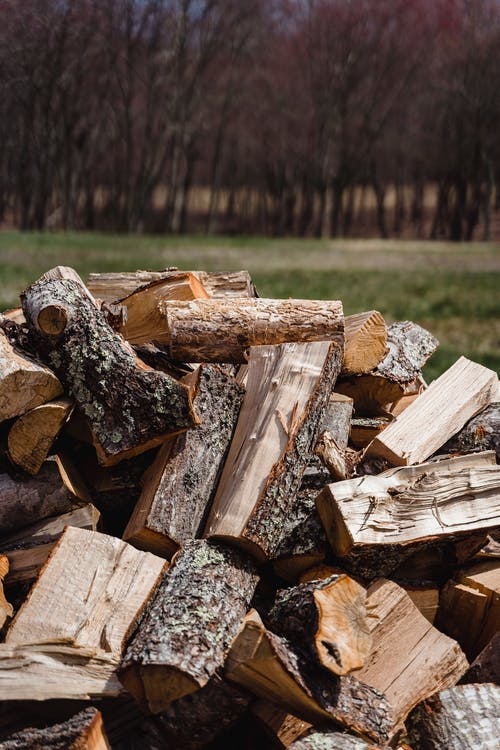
[181, 483]
[481, 433]
[83, 731]
[461, 718]
[288, 390]
[32, 435]
[327, 620]
[409, 347]
[130, 407]
[330, 740]
[186, 633]
[375, 522]
[366, 429]
[281, 727]
[334, 436]
[365, 342]
[67, 639]
[438, 413]
[486, 665]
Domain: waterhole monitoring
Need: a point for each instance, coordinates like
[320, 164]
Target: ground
[451, 289]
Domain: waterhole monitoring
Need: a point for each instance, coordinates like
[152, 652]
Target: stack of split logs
[233, 521]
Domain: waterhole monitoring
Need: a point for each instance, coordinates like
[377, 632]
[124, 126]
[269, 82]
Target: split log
[481, 433]
[469, 607]
[366, 429]
[111, 287]
[288, 390]
[372, 394]
[67, 639]
[28, 549]
[334, 436]
[221, 330]
[181, 483]
[328, 740]
[6, 609]
[365, 342]
[410, 660]
[460, 718]
[186, 633]
[265, 664]
[83, 731]
[142, 319]
[281, 727]
[409, 347]
[326, 619]
[130, 407]
[25, 501]
[426, 600]
[31, 436]
[375, 522]
[438, 413]
[24, 383]
[486, 665]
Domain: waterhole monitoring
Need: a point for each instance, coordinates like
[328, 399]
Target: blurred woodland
[279, 117]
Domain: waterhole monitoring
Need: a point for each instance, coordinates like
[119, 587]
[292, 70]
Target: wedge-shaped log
[326, 619]
[181, 483]
[374, 522]
[221, 330]
[481, 433]
[288, 390]
[67, 639]
[130, 407]
[186, 633]
[83, 731]
[24, 383]
[438, 413]
[460, 718]
[410, 660]
[265, 664]
[486, 665]
[409, 347]
[111, 287]
[25, 501]
[469, 606]
[365, 342]
[328, 740]
[32, 435]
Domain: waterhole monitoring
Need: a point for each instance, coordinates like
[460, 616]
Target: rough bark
[221, 330]
[181, 483]
[462, 717]
[481, 433]
[187, 631]
[288, 390]
[24, 383]
[83, 731]
[129, 406]
[409, 348]
[438, 413]
[326, 619]
[365, 342]
[328, 740]
[32, 435]
[486, 665]
[27, 500]
[265, 664]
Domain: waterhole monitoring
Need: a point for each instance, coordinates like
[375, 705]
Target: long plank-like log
[365, 342]
[67, 639]
[326, 619]
[83, 731]
[288, 390]
[181, 483]
[438, 413]
[481, 433]
[32, 435]
[24, 383]
[375, 522]
[460, 718]
[265, 664]
[130, 407]
[410, 660]
[186, 633]
[221, 330]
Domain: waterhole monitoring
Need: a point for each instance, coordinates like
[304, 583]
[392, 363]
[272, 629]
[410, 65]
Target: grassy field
[453, 290]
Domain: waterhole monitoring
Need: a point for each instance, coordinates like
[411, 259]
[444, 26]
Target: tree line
[299, 117]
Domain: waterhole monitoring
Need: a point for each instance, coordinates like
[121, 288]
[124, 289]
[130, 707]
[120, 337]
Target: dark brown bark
[409, 346]
[462, 717]
[84, 731]
[481, 433]
[180, 485]
[129, 406]
[186, 633]
[486, 665]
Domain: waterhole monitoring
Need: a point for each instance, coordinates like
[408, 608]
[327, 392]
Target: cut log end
[155, 688]
[52, 320]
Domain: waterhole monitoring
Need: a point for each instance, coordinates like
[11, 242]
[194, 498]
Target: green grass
[453, 290]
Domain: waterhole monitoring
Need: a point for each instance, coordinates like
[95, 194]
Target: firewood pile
[232, 521]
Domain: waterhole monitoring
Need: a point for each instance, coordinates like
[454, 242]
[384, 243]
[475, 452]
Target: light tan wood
[372, 394]
[32, 435]
[16, 315]
[24, 383]
[365, 429]
[469, 607]
[410, 660]
[67, 639]
[438, 413]
[426, 601]
[143, 321]
[365, 342]
[283, 384]
[6, 609]
[320, 572]
[281, 727]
